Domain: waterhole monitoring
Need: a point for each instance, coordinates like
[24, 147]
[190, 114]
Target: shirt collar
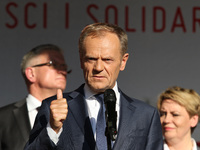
[89, 93]
[193, 148]
[32, 102]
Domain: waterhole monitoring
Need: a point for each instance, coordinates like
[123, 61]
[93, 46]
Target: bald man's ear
[30, 74]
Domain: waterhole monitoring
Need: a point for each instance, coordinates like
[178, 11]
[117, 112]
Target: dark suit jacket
[14, 126]
[139, 127]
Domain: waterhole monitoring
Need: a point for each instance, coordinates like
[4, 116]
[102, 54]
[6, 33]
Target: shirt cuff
[52, 134]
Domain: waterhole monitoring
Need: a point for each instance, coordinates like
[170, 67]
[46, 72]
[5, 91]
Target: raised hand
[58, 111]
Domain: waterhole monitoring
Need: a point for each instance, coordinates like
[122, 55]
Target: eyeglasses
[55, 66]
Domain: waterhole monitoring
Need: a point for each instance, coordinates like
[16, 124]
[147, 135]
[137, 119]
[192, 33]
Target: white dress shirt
[32, 105]
[193, 143]
[94, 105]
[93, 109]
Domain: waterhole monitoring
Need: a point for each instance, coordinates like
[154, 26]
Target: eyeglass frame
[50, 63]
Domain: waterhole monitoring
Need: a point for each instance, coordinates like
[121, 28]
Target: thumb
[59, 94]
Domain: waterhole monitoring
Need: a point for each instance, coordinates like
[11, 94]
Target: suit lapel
[126, 110]
[21, 116]
[78, 108]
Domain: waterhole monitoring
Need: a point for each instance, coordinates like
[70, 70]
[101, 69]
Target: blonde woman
[179, 114]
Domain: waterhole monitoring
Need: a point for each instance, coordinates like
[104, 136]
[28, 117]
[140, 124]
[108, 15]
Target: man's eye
[90, 59]
[107, 60]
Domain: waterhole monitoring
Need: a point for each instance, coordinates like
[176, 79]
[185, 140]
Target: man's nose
[64, 72]
[99, 66]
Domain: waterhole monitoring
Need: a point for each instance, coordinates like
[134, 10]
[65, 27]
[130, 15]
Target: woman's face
[175, 120]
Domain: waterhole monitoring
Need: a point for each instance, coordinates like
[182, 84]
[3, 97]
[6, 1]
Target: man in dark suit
[44, 71]
[71, 121]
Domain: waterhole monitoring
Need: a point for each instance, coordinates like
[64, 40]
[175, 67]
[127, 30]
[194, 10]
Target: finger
[59, 94]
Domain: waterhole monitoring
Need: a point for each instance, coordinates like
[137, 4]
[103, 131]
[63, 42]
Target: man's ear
[124, 60]
[30, 74]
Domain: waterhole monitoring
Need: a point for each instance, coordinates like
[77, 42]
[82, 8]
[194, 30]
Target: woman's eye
[162, 114]
[175, 115]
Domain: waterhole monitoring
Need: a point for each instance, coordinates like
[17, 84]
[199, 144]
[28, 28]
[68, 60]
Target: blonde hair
[187, 98]
[99, 29]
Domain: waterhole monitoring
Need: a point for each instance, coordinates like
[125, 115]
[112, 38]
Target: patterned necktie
[101, 140]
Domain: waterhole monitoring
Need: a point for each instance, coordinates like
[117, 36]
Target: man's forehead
[52, 55]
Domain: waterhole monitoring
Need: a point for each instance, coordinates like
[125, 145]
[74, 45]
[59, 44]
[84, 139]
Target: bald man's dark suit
[14, 126]
[139, 126]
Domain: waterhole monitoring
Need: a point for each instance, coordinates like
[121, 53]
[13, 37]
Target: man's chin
[98, 88]
[61, 86]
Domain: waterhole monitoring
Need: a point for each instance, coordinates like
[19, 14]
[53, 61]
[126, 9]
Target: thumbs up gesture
[58, 111]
